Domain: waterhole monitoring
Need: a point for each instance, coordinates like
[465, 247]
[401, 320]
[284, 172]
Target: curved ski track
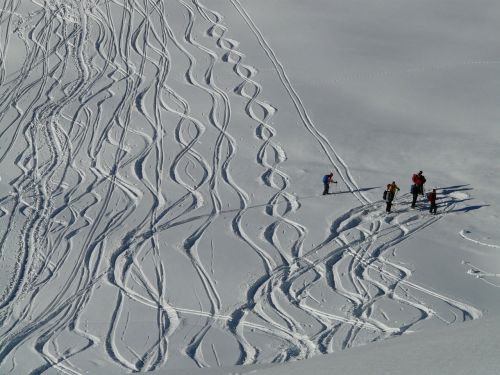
[118, 134]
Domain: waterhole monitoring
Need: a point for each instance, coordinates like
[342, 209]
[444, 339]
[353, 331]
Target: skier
[391, 193]
[327, 180]
[432, 199]
[414, 193]
[417, 187]
[386, 191]
[419, 180]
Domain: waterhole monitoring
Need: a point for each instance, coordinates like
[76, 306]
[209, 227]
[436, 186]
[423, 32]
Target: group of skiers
[417, 188]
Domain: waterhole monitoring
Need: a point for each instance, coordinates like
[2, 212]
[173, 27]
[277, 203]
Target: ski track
[118, 130]
[464, 234]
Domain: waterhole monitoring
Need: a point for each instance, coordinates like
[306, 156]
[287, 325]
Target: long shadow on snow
[453, 189]
[355, 191]
[469, 208]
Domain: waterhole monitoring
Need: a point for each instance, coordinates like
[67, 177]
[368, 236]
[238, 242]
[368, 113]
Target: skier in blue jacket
[327, 180]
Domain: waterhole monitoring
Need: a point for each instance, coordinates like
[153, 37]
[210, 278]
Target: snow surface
[460, 351]
[160, 180]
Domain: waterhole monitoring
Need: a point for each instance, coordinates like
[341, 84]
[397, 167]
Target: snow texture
[160, 190]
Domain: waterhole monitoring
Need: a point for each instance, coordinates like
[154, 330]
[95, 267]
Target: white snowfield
[462, 350]
[160, 187]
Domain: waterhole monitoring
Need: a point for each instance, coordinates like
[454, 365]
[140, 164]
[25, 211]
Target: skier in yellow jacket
[391, 193]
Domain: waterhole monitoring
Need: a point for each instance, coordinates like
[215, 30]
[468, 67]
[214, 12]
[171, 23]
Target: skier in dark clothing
[384, 196]
[414, 193]
[417, 187]
[391, 193]
[432, 199]
[327, 180]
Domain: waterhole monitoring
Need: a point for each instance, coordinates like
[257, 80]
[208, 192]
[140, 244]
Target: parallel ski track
[339, 165]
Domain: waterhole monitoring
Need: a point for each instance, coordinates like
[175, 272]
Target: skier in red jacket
[418, 186]
[432, 199]
[419, 180]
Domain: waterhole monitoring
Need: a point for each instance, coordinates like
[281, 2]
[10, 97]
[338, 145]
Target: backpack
[384, 196]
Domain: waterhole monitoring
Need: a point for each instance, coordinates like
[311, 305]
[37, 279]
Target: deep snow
[161, 168]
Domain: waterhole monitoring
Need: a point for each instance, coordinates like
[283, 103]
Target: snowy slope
[460, 350]
[161, 167]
